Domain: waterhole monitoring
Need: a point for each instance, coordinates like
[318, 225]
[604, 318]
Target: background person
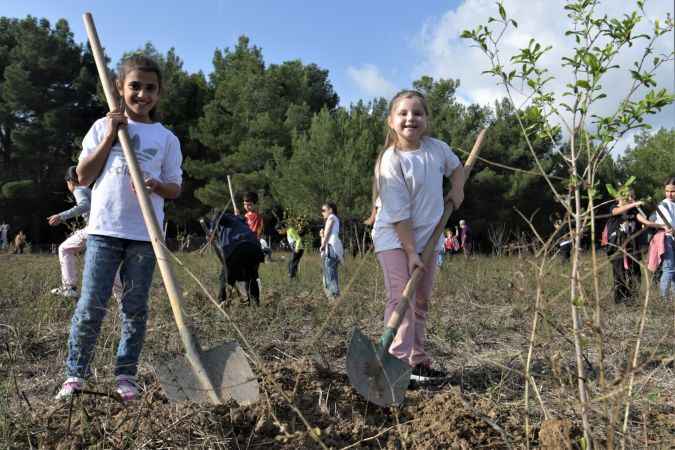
[75, 243]
[466, 238]
[19, 242]
[667, 208]
[624, 245]
[332, 251]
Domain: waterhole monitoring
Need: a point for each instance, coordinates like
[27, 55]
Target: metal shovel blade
[226, 367]
[378, 376]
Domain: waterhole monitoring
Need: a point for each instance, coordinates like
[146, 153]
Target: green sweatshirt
[292, 234]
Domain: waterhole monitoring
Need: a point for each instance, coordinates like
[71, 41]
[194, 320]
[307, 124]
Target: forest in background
[278, 129]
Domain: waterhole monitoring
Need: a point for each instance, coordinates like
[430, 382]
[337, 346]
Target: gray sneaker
[65, 291]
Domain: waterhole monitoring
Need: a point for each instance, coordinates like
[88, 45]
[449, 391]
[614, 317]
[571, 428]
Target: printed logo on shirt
[143, 155]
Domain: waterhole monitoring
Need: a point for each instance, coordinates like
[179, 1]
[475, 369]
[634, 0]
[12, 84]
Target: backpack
[610, 235]
[232, 231]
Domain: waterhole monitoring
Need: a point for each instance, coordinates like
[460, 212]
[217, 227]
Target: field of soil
[479, 330]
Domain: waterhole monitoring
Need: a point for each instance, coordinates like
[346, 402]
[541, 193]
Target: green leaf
[583, 84]
[502, 11]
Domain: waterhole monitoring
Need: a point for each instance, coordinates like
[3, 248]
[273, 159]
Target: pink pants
[408, 344]
[68, 251]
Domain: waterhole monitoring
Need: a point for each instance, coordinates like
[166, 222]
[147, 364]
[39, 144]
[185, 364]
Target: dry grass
[478, 330]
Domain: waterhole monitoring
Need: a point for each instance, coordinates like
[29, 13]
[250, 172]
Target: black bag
[232, 231]
[613, 231]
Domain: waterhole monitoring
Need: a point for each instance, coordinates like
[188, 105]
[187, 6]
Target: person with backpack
[242, 256]
[624, 229]
[662, 248]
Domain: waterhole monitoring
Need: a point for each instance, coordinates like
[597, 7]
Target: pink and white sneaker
[71, 386]
[127, 388]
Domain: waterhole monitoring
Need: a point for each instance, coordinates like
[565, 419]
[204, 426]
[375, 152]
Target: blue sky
[371, 48]
[335, 35]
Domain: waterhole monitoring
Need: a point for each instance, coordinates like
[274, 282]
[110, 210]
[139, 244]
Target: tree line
[278, 129]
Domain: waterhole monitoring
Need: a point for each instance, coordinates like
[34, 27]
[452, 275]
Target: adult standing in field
[667, 253]
[408, 180]
[118, 237]
[466, 238]
[624, 239]
[332, 251]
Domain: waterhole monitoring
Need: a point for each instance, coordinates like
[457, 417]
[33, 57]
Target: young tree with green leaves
[599, 39]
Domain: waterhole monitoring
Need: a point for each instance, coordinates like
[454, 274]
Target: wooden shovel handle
[397, 316]
[156, 237]
[229, 186]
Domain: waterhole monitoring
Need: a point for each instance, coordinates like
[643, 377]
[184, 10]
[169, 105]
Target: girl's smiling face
[140, 91]
[408, 119]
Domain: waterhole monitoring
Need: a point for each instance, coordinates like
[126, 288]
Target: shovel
[375, 374]
[216, 375]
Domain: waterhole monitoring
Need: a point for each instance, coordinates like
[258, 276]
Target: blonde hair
[391, 139]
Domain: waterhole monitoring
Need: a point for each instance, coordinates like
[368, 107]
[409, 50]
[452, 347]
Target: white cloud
[445, 55]
[370, 81]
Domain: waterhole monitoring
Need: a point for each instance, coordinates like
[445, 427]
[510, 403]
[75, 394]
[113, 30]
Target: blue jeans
[440, 257]
[667, 268]
[330, 272]
[103, 256]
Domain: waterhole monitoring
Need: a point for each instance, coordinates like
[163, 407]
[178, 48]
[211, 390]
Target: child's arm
[169, 191]
[658, 225]
[82, 206]
[371, 220]
[407, 237]
[90, 166]
[622, 209]
[649, 224]
[172, 175]
[456, 193]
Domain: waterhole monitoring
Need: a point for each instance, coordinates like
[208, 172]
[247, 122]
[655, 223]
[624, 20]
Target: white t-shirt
[411, 187]
[668, 209]
[115, 211]
[334, 238]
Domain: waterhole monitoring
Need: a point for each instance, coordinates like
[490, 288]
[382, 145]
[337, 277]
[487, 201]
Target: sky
[370, 48]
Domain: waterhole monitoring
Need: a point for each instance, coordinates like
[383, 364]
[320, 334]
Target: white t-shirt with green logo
[115, 211]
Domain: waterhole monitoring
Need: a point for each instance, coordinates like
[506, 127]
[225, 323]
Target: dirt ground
[479, 327]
